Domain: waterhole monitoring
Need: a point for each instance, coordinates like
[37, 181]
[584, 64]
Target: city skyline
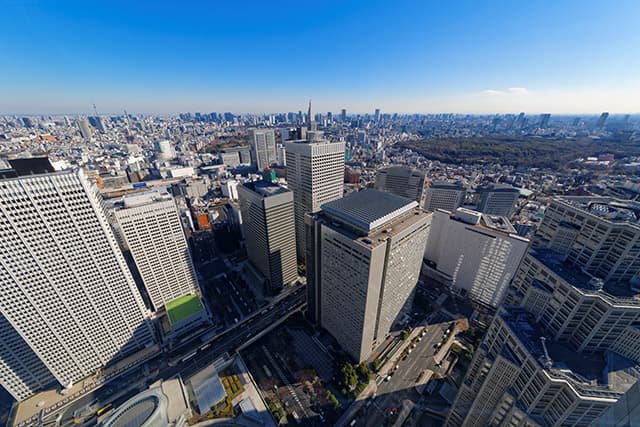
[403, 58]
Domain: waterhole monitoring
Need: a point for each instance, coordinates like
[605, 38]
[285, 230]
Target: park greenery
[520, 152]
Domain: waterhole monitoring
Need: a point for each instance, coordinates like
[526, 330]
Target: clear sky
[477, 56]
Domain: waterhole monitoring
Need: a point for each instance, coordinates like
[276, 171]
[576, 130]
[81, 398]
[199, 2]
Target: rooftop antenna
[547, 362]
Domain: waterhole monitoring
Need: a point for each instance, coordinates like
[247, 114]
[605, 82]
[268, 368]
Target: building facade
[519, 377]
[474, 254]
[152, 231]
[315, 174]
[67, 290]
[269, 230]
[263, 147]
[448, 196]
[498, 200]
[363, 262]
[599, 234]
[403, 181]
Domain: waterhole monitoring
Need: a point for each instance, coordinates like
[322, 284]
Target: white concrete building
[475, 254]
[152, 231]
[315, 174]
[230, 189]
[66, 288]
[363, 261]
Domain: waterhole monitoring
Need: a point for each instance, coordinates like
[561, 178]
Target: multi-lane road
[401, 386]
[190, 358]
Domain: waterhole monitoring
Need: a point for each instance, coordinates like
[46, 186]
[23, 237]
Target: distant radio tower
[95, 110]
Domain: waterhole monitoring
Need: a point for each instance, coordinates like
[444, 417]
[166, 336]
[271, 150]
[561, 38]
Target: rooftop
[183, 308]
[607, 208]
[583, 371]
[499, 188]
[265, 188]
[27, 166]
[579, 278]
[447, 184]
[369, 209]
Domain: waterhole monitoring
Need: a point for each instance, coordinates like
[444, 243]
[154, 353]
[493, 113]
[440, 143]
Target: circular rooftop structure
[147, 409]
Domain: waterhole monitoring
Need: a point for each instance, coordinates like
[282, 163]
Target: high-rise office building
[269, 229]
[22, 373]
[28, 123]
[521, 377]
[67, 290]
[363, 261]
[376, 115]
[97, 122]
[475, 254]
[602, 120]
[343, 115]
[152, 231]
[598, 234]
[498, 199]
[400, 180]
[315, 174]
[566, 346]
[263, 147]
[444, 195]
[544, 120]
[85, 129]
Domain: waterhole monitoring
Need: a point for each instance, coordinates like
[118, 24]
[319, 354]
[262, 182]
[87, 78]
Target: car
[388, 378]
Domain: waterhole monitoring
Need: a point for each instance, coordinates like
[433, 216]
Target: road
[203, 352]
[400, 387]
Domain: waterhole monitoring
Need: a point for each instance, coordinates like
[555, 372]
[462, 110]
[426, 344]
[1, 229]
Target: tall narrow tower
[312, 121]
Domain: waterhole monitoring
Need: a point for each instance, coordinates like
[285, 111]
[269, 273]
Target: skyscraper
[498, 199]
[598, 234]
[313, 126]
[402, 181]
[315, 174]
[268, 222]
[343, 115]
[602, 120]
[85, 129]
[566, 345]
[444, 195]
[151, 230]
[22, 373]
[363, 261]
[263, 147]
[67, 290]
[376, 115]
[544, 120]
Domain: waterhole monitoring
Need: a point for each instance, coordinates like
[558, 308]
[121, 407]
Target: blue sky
[243, 56]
